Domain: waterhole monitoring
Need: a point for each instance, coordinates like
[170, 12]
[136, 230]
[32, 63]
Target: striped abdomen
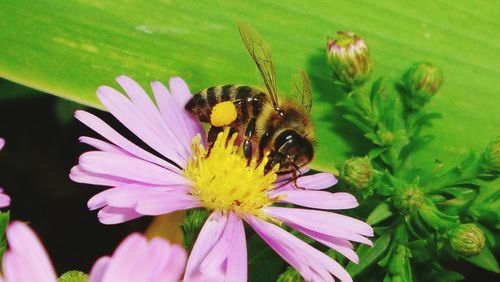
[248, 101]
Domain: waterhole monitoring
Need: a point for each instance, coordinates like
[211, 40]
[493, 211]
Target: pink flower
[180, 175]
[26, 260]
[4, 198]
[134, 260]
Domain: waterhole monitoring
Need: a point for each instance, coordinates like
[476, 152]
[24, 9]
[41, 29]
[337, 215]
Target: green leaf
[263, 262]
[69, 48]
[369, 255]
[437, 273]
[380, 212]
[485, 260]
[4, 221]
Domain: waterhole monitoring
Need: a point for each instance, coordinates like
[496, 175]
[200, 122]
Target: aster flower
[180, 175]
[4, 198]
[134, 260]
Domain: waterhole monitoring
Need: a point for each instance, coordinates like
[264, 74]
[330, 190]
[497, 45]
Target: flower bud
[492, 156]
[357, 172]
[386, 137]
[408, 199]
[421, 82]
[193, 222]
[467, 239]
[349, 58]
[73, 276]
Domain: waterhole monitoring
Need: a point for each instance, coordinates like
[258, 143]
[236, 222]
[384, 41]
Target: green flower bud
[421, 82]
[492, 156]
[467, 239]
[193, 221]
[408, 199]
[386, 137]
[73, 276]
[357, 172]
[349, 58]
[290, 275]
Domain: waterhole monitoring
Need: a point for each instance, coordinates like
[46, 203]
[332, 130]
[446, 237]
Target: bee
[283, 129]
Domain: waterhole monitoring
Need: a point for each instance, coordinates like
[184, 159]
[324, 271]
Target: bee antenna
[297, 168]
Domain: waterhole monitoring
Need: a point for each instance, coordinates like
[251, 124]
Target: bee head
[291, 151]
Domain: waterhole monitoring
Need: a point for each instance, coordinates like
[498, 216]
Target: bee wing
[261, 55]
[303, 88]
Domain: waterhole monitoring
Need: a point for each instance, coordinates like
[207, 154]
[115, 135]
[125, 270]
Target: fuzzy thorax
[224, 181]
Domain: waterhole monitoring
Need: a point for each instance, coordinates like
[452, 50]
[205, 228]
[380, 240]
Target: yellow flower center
[223, 114]
[223, 179]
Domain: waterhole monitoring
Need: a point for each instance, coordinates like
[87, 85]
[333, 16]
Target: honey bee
[283, 129]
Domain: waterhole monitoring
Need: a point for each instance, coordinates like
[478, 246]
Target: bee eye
[285, 139]
[294, 146]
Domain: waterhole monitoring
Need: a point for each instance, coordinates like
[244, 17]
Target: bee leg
[212, 135]
[247, 143]
[295, 177]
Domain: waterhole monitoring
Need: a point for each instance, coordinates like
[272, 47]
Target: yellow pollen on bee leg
[223, 180]
[223, 114]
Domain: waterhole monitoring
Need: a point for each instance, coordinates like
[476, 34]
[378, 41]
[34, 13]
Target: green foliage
[191, 227]
[4, 221]
[68, 48]
[369, 254]
[421, 205]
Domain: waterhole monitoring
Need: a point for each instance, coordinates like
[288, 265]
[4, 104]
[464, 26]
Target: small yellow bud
[223, 114]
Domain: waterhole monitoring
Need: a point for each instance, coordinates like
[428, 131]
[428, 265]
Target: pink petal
[109, 133]
[319, 199]
[111, 215]
[328, 223]
[126, 259]
[2, 143]
[136, 259]
[131, 197]
[312, 264]
[317, 181]
[176, 117]
[209, 235]
[127, 196]
[222, 257]
[155, 134]
[340, 245]
[176, 265]
[128, 168]
[4, 199]
[99, 269]
[26, 260]
[231, 247]
[103, 145]
[180, 90]
[78, 174]
[166, 203]
[145, 105]
[237, 265]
